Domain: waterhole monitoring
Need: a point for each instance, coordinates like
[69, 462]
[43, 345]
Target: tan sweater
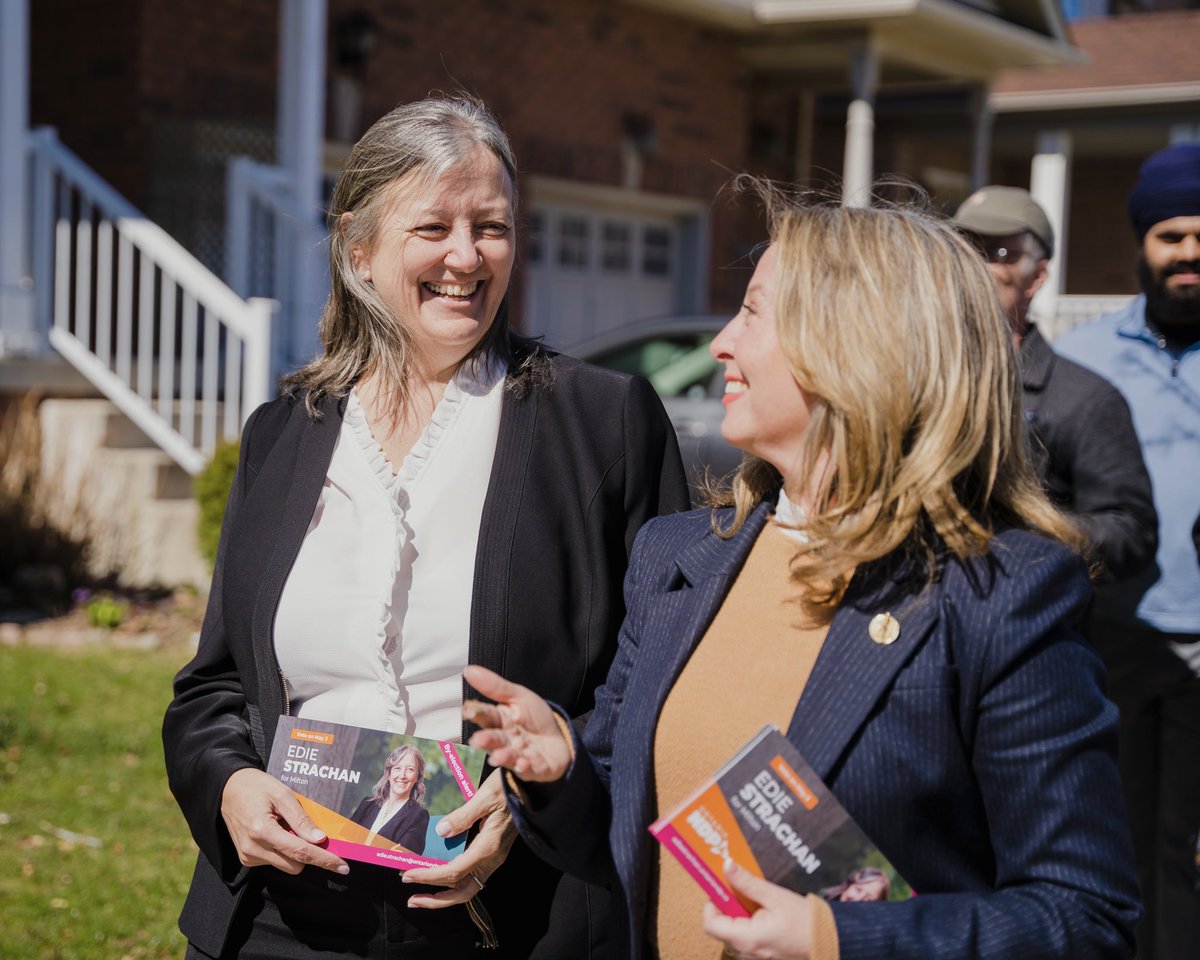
[749, 669]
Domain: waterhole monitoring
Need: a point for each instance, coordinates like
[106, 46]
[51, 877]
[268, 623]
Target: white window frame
[691, 279]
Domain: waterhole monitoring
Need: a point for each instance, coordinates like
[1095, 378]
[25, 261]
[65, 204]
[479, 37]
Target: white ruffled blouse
[374, 621]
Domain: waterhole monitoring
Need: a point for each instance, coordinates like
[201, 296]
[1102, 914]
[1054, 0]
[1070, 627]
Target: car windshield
[675, 365]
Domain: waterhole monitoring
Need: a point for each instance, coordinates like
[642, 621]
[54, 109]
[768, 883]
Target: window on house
[656, 251]
[574, 241]
[616, 244]
[533, 238]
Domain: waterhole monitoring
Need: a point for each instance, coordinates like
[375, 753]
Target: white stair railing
[177, 351]
[275, 249]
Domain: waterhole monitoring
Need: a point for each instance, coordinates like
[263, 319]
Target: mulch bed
[150, 621]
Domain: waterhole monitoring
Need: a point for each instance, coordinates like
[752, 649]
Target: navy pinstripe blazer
[977, 750]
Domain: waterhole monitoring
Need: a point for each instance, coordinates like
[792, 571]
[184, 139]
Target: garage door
[589, 270]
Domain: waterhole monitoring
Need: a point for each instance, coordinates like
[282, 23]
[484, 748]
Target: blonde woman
[887, 585]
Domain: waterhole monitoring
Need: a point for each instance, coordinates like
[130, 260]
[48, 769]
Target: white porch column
[858, 165]
[1050, 184]
[18, 331]
[300, 152]
[301, 98]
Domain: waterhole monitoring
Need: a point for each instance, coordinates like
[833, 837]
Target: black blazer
[407, 827]
[584, 457]
[1089, 457]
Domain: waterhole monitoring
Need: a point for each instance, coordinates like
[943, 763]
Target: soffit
[813, 41]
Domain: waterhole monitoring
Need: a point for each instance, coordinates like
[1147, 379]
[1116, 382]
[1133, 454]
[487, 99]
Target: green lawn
[94, 855]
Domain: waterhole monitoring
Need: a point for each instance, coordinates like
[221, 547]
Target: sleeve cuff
[824, 930]
[516, 788]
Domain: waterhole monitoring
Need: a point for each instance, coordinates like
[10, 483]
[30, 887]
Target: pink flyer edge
[460, 774]
[396, 859]
[720, 894]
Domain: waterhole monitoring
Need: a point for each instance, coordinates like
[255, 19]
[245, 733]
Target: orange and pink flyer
[767, 811]
[378, 796]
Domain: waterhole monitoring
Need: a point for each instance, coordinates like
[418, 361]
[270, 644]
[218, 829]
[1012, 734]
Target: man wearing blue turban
[1148, 628]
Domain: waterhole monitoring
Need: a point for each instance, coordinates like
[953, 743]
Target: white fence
[1069, 311]
[177, 351]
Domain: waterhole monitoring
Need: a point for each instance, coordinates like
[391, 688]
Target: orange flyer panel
[784, 771]
[713, 832]
[311, 736]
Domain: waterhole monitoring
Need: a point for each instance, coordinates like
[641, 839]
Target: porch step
[130, 500]
[123, 432]
[48, 375]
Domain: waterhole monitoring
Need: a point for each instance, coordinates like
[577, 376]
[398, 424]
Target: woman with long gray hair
[432, 491]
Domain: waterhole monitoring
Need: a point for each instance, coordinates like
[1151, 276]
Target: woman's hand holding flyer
[467, 873]
[269, 827]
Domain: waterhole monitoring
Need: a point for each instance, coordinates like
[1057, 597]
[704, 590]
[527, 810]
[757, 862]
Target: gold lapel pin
[884, 629]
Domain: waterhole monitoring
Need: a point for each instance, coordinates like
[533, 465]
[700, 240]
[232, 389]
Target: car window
[676, 366]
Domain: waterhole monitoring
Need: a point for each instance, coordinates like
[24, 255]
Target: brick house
[195, 143]
[627, 117]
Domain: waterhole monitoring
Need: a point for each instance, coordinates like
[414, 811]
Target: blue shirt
[1162, 389]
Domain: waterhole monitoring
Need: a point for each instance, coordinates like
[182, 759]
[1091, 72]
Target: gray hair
[422, 141]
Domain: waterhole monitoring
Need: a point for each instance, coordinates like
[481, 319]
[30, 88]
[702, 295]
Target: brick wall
[127, 80]
[1102, 250]
[209, 59]
[84, 82]
[566, 78]
[129, 84]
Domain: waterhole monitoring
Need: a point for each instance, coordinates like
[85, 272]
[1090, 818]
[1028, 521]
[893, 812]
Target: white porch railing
[1072, 310]
[275, 249]
[174, 348]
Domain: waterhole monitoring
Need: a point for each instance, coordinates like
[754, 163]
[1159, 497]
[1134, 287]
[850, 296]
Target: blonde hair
[891, 321]
[417, 143]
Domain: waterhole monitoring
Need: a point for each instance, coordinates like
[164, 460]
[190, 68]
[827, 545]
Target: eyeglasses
[1002, 250]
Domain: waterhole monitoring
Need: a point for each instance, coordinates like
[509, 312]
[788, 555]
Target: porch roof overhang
[811, 42]
[1142, 95]
[1144, 61]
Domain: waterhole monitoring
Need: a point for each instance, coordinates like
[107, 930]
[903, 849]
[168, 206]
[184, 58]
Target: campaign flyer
[767, 810]
[378, 796]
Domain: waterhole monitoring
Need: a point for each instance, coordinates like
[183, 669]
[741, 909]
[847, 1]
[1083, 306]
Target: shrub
[212, 487]
[106, 611]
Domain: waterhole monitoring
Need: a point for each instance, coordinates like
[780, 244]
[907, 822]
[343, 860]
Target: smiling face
[403, 777]
[442, 257]
[1170, 270]
[871, 888]
[766, 411]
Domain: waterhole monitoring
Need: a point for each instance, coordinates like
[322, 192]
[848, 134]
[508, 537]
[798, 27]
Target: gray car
[672, 353]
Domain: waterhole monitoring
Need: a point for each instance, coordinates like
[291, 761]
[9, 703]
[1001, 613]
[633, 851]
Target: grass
[95, 857]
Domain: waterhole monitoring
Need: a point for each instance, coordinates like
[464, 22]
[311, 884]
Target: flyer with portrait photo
[767, 811]
[378, 796]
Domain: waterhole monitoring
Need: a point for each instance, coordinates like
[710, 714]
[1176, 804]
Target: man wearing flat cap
[1148, 629]
[1081, 434]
